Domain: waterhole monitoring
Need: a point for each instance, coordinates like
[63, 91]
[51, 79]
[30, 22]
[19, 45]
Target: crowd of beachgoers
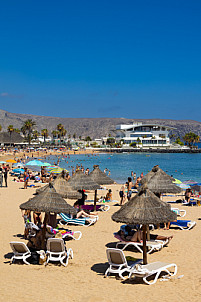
[30, 225]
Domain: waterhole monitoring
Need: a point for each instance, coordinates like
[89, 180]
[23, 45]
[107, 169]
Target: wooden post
[95, 196]
[144, 245]
[148, 233]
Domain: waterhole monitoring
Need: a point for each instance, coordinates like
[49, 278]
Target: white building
[150, 135]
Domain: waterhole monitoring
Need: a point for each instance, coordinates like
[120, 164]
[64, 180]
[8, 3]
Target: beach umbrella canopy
[190, 182]
[177, 181]
[155, 169]
[2, 162]
[57, 170]
[183, 186]
[18, 171]
[47, 165]
[12, 161]
[80, 181]
[161, 183]
[48, 201]
[145, 208]
[35, 163]
[196, 187]
[100, 177]
[18, 165]
[63, 188]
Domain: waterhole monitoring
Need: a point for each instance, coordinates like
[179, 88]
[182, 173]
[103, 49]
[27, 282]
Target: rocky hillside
[94, 127]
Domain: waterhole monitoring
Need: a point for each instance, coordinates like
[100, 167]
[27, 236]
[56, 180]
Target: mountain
[93, 127]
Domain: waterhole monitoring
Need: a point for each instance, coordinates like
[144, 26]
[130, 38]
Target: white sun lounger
[152, 245]
[179, 212]
[65, 219]
[117, 263]
[155, 268]
[21, 252]
[56, 251]
[183, 224]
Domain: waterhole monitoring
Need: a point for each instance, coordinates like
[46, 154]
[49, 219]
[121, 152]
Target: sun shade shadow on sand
[100, 268]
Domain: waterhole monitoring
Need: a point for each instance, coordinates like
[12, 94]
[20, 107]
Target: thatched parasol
[48, 201]
[80, 181]
[63, 188]
[100, 177]
[161, 183]
[145, 208]
[154, 170]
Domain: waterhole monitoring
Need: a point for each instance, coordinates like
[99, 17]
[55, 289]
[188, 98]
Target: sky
[128, 58]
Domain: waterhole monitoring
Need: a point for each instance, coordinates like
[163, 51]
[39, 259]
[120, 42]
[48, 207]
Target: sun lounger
[155, 268]
[65, 233]
[179, 212]
[56, 251]
[21, 251]
[90, 207]
[65, 219]
[184, 224]
[117, 263]
[152, 245]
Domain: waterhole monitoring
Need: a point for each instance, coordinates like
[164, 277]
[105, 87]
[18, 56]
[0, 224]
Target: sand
[82, 279]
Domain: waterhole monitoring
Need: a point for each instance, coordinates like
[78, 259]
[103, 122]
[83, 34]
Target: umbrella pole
[95, 196]
[148, 233]
[144, 228]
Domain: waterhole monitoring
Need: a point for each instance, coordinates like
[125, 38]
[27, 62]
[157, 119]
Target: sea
[182, 166]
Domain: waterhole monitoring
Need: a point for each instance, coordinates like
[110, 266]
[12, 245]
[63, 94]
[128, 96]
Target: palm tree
[60, 129]
[28, 127]
[10, 130]
[74, 135]
[0, 128]
[17, 130]
[44, 133]
[191, 138]
[35, 134]
[63, 132]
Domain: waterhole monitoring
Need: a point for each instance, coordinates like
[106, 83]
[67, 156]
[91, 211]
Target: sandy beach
[82, 279]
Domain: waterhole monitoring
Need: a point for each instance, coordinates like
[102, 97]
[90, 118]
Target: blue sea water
[181, 165]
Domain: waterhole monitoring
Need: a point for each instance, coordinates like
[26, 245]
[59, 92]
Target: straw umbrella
[161, 183]
[63, 188]
[48, 201]
[144, 208]
[154, 170]
[100, 177]
[80, 181]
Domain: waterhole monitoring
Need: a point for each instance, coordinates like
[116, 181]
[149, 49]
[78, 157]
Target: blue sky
[131, 58]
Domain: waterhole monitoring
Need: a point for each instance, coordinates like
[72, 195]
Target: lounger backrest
[55, 245]
[19, 247]
[66, 218]
[115, 256]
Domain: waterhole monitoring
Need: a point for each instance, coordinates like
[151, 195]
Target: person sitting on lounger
[188, 194]
[108, 196]
[128, 234]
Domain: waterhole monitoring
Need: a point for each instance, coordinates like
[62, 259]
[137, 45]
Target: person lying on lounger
[83, 213]
[128, 234]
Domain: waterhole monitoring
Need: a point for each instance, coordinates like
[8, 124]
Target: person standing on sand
[26, 178]
[5, 174]
[129, 186]
[122, 196]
